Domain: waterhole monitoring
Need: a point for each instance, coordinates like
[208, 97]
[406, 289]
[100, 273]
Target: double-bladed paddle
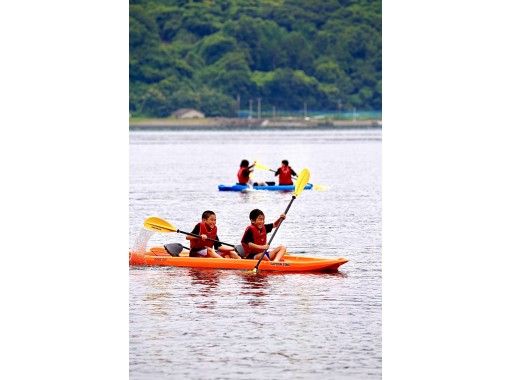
[301, 182]
[154, 223]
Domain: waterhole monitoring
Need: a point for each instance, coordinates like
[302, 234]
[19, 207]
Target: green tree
[143, 31]
[185, 97]
[262, 39]
[169, 20]
[230, 74]
[298, 51]
[198, 20]
[215, 46]
[154, 103]
[214, 103]
[289, 89]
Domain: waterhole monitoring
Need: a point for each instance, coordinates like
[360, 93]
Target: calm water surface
[225, 324]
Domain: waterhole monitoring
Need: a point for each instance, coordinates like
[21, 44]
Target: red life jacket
[285, 176]
[259, 238]
[197, 244]
[241, 177]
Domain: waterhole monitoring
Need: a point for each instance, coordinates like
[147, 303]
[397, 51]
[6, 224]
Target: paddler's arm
[202, 237]
[195, 231]
[257, 246]
[279, 220]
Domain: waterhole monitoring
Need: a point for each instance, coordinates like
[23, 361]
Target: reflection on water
[255, 287]
[190, 323]
[203, 284]
[209, 278]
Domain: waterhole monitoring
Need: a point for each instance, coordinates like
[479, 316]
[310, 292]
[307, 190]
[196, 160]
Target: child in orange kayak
[243, 174]
[201, 247]
[285, 173]
[255, 238]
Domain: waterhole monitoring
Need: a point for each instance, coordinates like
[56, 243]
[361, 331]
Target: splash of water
[142, 239]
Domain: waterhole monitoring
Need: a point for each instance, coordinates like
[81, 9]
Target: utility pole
[304, 106]
[251, 106]
[339, 107]
[238, 104]
[258, 108]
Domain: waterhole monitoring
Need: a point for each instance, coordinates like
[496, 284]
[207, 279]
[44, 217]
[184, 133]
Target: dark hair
[285, 162]
[244, 164]
[207, 214]
[254, 214]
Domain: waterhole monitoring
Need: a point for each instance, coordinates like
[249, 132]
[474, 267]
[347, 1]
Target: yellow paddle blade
[301, 181]
[159, 225]
[261, 167]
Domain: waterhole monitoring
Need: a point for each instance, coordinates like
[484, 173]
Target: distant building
[188, 113]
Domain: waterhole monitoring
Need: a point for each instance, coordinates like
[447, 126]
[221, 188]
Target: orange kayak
[157, 256]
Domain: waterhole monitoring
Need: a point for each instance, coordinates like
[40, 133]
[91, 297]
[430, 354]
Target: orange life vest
[285, 176]
[259, 238]
[197, 244]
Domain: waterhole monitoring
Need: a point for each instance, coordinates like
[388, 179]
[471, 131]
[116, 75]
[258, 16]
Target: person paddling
[255, 238]
[285, 173]
[201, 247]
[243, 174]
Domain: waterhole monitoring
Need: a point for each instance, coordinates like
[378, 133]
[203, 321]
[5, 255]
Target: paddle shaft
[175, 249]
[198, 236]
[274, 171]
[273, 234]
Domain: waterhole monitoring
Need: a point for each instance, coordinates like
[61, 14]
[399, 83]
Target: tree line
[216, 55]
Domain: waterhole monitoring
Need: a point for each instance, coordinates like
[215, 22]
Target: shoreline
[234, 123]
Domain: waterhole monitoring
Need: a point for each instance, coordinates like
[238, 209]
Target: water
[196, 324]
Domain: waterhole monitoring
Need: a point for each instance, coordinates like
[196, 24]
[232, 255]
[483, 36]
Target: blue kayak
[258, 187]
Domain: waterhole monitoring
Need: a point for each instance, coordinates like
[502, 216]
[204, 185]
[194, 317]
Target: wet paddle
[160, 225]
[264, 167]
[301, 182]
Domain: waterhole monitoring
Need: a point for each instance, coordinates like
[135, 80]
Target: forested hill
[208, 54]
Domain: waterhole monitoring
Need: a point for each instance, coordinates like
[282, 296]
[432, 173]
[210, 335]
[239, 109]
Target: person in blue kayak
[201, 247]
[243, 174]
[254, 240]
[285, 173]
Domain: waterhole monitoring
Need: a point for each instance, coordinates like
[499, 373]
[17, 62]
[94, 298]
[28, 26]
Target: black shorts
[251, 256]
[200, 252]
